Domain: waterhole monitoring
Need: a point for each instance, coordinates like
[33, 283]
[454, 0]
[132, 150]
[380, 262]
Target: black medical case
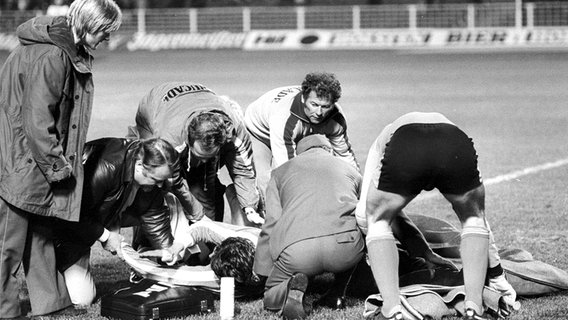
[150, 299]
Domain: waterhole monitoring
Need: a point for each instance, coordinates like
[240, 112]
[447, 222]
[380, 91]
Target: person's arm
[98, 184]
[40, 109]
[263, 261]
[210, 232]
[156, 225]
[409, 235]
[240, 166]
[204, 231]
[281, 135]
[178, 187]
[340, 142]
[111, 241]
[413, 240]
[144, 128]
[192, 208]
[155, 219]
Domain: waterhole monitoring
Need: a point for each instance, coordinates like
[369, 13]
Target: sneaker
[295, 307]
[135, 277]
[470, 314]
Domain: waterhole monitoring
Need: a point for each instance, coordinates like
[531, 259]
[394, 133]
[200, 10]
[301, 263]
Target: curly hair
[234, 257]
[209, 128]
[324, 84]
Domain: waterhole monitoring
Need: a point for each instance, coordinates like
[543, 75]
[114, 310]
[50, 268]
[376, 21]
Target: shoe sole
[294, 307]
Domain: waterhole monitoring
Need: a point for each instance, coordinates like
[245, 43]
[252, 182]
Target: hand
[157, 253]
[170, 255]
[253, 216]
[436, 259]
[503, 286]
[173, 254]
[60, 174]
[112, 244]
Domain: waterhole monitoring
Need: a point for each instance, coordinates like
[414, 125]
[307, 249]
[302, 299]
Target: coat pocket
[348, 237]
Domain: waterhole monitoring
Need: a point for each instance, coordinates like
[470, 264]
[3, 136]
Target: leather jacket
[111, 200]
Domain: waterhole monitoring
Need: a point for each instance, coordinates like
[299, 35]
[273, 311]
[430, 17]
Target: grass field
[514, 106]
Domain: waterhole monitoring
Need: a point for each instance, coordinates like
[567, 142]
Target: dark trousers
[21, 245]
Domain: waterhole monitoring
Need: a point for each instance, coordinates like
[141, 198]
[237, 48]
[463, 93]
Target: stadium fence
[244, 19]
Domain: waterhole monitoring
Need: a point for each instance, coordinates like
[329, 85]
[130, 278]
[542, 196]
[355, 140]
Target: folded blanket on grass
[439, 292]
[435, 301]
[529, 277]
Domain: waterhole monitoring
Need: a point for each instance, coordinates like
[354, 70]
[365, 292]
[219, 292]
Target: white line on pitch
[508, 176]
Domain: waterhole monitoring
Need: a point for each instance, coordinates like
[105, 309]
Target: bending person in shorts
[423, 151]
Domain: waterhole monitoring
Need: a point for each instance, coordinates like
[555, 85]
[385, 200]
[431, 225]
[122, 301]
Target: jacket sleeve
[281, 136]
[155, 220]
[179, 188]
[192, 208]
[43, 93]
[240, 166]
[143, 129]
[263, 260]
[210, 232]
[340, 142]
[98, 184]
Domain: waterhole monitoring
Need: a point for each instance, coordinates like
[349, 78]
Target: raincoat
[46, 94]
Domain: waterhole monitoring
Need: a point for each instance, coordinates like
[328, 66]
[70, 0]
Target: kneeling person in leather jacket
[124, 186]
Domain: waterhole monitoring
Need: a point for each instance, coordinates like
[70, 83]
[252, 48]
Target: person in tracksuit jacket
[46, 95]
[280, 118]
[208, 132]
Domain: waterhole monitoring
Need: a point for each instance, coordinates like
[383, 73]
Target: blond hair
[92, 16]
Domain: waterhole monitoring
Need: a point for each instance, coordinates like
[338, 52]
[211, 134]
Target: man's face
[202, 154]
[316, 108]
[148, 177]
[92, 40]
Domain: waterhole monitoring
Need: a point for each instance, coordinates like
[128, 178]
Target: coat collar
[129, 162]
[56, 31]
[61, 34]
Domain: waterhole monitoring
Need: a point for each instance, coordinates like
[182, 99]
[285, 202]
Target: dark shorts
[427, 156]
